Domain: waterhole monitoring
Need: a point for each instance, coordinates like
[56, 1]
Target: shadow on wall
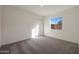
[35, 31]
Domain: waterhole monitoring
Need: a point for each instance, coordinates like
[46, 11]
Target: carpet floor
[40, 45]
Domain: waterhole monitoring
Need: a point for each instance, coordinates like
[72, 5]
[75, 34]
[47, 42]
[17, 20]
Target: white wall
[70, 25]
[69, 31]
[0, 26]
[17, 24]
[78, 25]
[78, 21]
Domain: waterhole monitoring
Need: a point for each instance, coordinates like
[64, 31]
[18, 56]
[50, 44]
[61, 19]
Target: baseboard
[40, 35]
[15, 42]
[62, 40]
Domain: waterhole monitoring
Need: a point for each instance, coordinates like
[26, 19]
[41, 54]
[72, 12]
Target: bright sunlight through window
[35, 31]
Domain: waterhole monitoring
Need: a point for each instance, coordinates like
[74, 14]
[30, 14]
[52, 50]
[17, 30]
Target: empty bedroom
[39, 29]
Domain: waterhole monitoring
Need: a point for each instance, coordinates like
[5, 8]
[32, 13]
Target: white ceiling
[45, 10]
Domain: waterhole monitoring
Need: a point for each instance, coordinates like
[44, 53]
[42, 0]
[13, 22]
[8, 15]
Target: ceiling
[45, 10]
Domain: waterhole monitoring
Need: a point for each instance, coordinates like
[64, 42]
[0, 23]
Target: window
[56, 23]
[35, 31]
